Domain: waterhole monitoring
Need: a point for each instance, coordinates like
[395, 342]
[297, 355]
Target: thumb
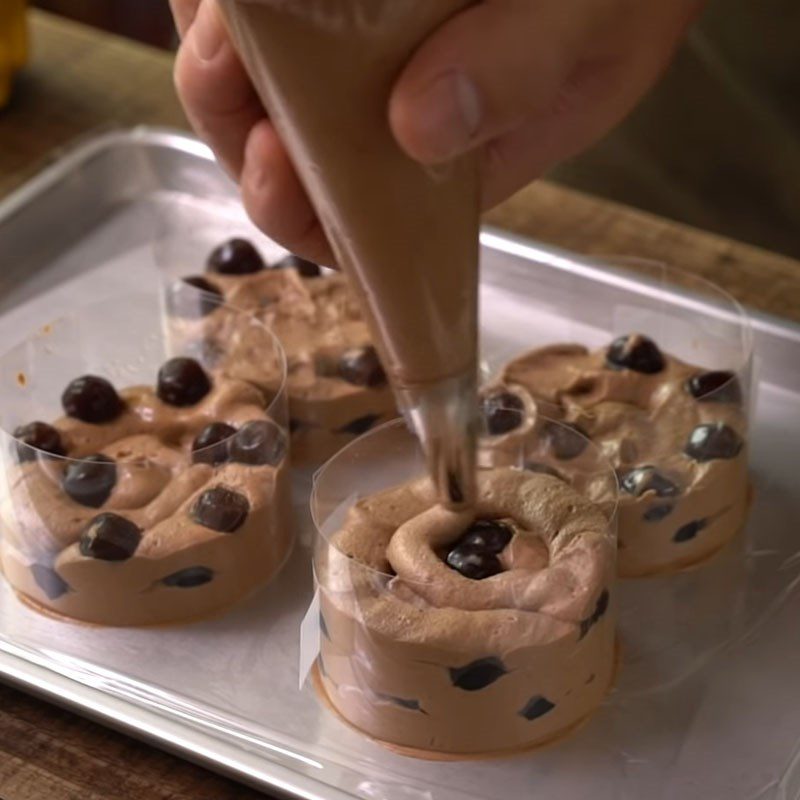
[481, 74]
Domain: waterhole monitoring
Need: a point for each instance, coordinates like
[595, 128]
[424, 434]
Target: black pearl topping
[474, 554]
[637, 353]
[362, 367]
[182, 382]
[258, 443]
[718, 386]
[643, 479]
[37, 436]
[110, 537]
[307, 269]
[90, 480]
[220, 509]
[713, 441]
[235, 257]
[211, 444]
[503, 412]
[91, 399]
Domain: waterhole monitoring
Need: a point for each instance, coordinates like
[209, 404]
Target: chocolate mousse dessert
[675, 433]
[149, 505]
[468, 632]
[406, 235]
[336, 385]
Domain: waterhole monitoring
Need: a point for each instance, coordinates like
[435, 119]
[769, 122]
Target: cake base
[436, 755]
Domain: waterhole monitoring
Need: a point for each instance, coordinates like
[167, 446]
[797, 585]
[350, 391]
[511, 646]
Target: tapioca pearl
[110, 537]
[49, 581]
[489, 536]
[478, 674]
[716, 386]
[220, 509]
[258, 443]
[210, 446]
[36, 437]
[565, 440]
[360, 425]
[713, 441]
[361, 366]
[90, 480]
[637, 353]
[503, 412]
[92, 399]
[189, 578]
[235, 257]
[182, 382]
[689, 531]
[647, 478]
[305, 268]
[473, 564]
[536, 707]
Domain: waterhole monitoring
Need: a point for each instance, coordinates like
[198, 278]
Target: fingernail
[448, 115]
[207, 33]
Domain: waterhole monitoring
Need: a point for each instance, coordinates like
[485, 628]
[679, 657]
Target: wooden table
[81, 82]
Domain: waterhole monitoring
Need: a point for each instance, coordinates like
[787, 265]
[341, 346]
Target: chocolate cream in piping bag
[405, 234]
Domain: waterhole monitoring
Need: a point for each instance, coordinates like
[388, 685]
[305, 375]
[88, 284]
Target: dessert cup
[665, 395]
[336, 386]
[441, 644]
[157, 490]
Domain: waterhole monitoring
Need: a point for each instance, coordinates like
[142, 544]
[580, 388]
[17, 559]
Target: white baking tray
[707, 705]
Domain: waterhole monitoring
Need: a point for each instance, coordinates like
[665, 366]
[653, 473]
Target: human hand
[530, 82]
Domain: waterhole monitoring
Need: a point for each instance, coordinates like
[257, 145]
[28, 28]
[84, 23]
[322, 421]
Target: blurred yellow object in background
[13, 44]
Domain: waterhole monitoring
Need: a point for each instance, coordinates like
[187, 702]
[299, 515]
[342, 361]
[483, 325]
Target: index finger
[184, 12]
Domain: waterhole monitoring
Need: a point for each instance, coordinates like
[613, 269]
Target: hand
[531, 82]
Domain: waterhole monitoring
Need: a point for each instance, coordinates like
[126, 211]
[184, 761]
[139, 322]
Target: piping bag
[405, 234]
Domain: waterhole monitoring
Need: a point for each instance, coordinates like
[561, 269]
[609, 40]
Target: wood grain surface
[80, 82]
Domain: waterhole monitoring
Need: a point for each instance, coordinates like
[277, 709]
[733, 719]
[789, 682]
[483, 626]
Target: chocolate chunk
[717, 386]
[488, 536]
[182, 302]
[220, 509]
[478, 674]
[503, 412]
[360, 425]
[258, 443]
[473, 564]
[690, 530]
[536, 707]
[657, 513]
[563, 439]
[182, 382]
[307, 269]
[599, 612]
[49, 581]
[37, 436]
[362, 367]
[235, 257]
[713, 441]
[110, 537]
[189, 578]
[90, 480]
[543, 469]
[637, 353]
[91, 399]
[211, 444]
[639, 480]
